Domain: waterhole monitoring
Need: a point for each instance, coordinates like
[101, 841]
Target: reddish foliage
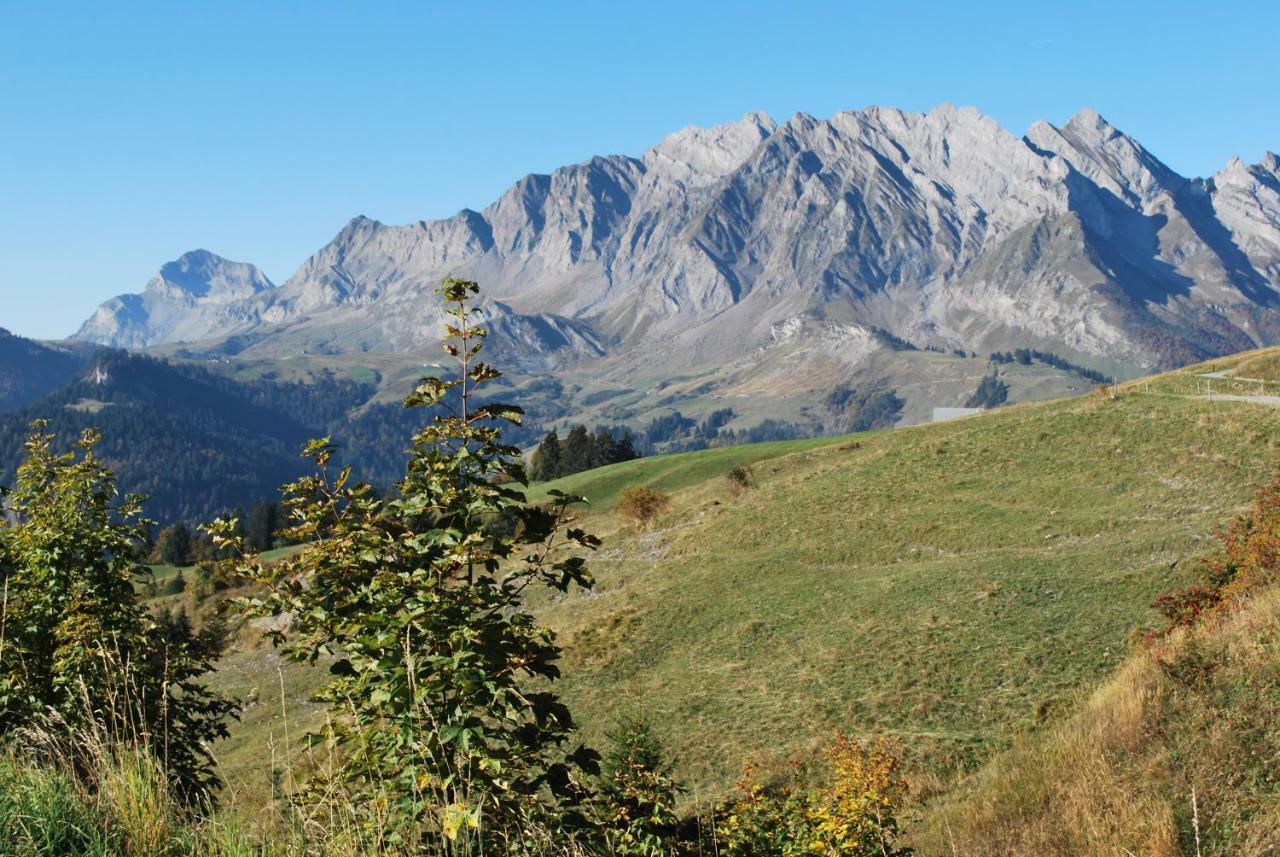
[1249, 556]
[1184, 606]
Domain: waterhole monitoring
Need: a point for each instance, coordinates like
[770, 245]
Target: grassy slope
[1199, 716]
[957, 584]
[952, 583]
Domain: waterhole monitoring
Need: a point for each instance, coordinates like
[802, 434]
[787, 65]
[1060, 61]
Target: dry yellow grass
[1174, 755]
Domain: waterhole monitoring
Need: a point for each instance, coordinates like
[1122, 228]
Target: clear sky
[132, 132]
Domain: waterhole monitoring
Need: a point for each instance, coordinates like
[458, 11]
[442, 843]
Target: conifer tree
[173, 545]
[637, 793]
[260, 529]
[577, 455]
[604, 449]
[546, 463]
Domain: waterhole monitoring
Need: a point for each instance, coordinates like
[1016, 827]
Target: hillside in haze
[29, 370]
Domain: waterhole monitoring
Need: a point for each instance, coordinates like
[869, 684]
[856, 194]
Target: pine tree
[604, 449]
[262, 524]
[576, 454]
[546, 464]
[625, 449]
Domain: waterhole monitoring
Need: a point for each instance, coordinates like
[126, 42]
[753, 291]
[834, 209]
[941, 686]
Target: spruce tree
[637, 794]
[576, 454]
[604, 448]
[546, 464]
[260, 529]
[625, 449]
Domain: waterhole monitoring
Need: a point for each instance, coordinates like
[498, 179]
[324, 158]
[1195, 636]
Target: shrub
[175, 584]
[447, 738]
[637, 795]
[642, 505]
[741, 478]
[81, 655]
[1247, 558]
[857, 813]
[853, 812]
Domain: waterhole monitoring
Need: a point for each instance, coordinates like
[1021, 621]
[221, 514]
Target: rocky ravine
[766, 254]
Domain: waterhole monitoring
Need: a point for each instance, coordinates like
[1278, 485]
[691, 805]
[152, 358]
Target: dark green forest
[195, 442]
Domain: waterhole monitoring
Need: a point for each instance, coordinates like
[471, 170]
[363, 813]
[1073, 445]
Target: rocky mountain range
[763, 257]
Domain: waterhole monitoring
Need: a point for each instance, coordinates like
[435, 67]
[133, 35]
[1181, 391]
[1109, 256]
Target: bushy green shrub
[447, 737]
[81, 655]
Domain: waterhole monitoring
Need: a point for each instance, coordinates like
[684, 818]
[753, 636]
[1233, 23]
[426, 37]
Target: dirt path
[1257, 400]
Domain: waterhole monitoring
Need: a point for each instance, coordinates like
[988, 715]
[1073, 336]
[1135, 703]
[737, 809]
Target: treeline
[897, 343]
[179, 544]
[198, 443]
[855, 409]
[580, 450]
[1027, 356]
[845, 409]
[991, 393]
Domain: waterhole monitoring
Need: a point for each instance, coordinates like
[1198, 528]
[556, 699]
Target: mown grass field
[955, 584]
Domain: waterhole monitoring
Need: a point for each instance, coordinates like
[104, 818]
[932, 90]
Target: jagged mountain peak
[1088, 122]
[702, 155]
[938, 226]
[202, 274]
[1107, 156]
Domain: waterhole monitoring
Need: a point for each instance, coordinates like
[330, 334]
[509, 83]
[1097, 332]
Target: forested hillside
[195, 442]
[28, 370]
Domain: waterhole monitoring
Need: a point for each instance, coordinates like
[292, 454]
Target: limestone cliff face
[189, 298]
[942, 228]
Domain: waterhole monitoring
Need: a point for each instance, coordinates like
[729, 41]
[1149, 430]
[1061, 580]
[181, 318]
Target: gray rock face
[191, 297]
[743, 243]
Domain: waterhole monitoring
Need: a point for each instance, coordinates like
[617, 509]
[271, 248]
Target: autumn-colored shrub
[1248, 557]
[853, 811]
[1185, 606]
[856, 813]
[642, 505]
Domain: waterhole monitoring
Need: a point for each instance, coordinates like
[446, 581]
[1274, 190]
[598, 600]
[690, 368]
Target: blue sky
[130, 133]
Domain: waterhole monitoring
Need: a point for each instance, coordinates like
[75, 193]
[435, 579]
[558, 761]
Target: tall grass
[1174, 755]
[123, 806]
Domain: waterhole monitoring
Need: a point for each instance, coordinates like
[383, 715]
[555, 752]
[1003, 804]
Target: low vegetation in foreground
[937, 640]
